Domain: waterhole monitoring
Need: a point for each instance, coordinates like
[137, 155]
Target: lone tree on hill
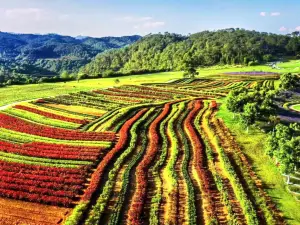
[190, 68]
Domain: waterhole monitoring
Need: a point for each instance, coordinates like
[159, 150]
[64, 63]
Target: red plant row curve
[51, 115]
[124, 136]
[17, 124]
[198, 150]
[53, 151]
[41, 184]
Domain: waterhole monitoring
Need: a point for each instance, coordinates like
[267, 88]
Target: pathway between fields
[15, 103]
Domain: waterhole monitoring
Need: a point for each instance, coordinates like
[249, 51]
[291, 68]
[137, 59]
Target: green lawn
[292, 66]
[253, 146]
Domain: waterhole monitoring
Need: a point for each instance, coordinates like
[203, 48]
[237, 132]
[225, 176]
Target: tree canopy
[165, 52]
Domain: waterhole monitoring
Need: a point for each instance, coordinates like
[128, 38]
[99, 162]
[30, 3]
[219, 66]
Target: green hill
[165, 52]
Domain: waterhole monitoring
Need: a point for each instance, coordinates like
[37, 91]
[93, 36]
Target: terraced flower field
[147, 154]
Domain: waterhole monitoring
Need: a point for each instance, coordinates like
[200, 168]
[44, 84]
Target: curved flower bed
[16, 124]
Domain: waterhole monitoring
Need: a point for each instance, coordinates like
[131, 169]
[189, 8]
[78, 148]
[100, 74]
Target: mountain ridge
[69, 53]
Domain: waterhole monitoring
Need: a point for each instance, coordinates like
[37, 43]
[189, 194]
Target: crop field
[154, 153]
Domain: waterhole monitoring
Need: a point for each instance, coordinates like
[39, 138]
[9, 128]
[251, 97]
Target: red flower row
[43, 170]
[60, 179]
[37, 190]
[42, 184]
[139, 196]
[62, 147]
[16, 124]
[124, 136]
[48, 151]
[21, 195]
[51, 115]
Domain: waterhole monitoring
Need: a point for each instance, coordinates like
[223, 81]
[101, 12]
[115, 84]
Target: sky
[98, 18]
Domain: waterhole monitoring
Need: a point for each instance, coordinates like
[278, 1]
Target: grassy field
[27, 92]
[18, 93]
[253, 147]
[296, 107]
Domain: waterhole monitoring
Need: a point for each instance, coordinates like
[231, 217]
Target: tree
[274, 120]
[236, 100]
[190, 69]
[289, 81]
[65, 75]
[108, 73]
[281, 146]
[117, 81]
[249, 115]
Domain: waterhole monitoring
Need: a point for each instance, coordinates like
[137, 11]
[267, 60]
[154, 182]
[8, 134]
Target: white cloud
[297, 28]
[275, 14]
[133, 19]
[263, 14]
[19, 13]
[283, 29]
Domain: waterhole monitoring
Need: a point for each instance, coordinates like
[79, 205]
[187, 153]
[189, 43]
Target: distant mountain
[52, 53]
[165, 52]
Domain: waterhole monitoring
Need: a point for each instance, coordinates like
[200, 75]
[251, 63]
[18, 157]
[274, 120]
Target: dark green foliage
[252, 104]
[164, 52]
[289, 81]
[282, 146]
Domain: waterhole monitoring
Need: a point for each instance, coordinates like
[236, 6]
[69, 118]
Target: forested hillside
[164, 52]
[51, 54]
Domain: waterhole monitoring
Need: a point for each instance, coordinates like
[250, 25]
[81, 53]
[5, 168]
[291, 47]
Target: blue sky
[126, 17]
